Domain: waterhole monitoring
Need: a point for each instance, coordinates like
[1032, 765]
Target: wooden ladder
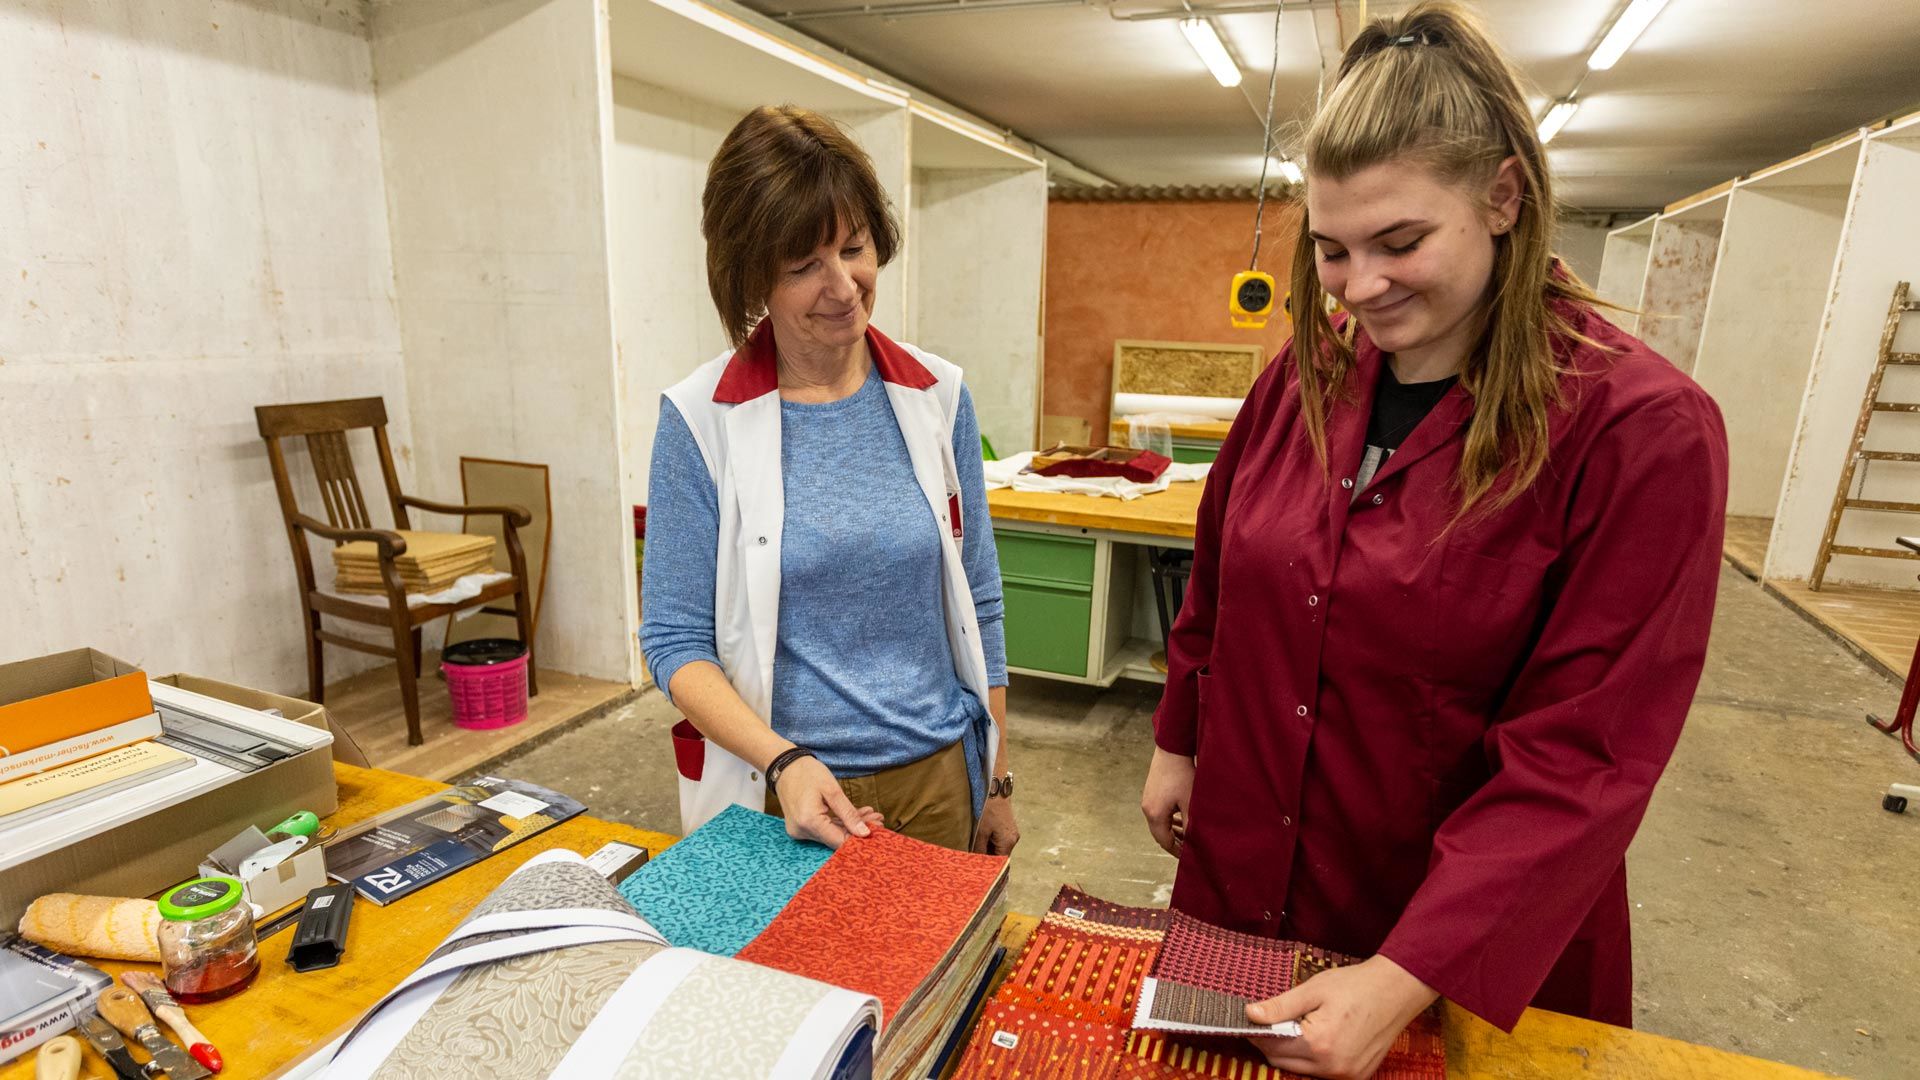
[1842, 499]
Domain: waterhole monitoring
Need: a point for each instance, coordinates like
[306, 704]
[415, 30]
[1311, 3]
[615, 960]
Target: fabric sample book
[718, 889]
[553, 976]
[909, 923]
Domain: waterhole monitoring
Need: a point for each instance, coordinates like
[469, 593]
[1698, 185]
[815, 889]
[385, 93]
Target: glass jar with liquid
[207, 947]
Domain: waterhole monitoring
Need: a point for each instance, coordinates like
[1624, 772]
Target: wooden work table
[284, 1016]
[1165, 516]
[1075, 570]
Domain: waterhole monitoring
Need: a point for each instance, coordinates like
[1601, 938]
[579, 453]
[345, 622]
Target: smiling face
[821, 301]
[1410, 254]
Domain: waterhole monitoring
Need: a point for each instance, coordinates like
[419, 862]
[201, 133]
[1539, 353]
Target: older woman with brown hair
[821, 587]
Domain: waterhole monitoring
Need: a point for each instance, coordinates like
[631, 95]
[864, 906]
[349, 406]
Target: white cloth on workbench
[1006, 473]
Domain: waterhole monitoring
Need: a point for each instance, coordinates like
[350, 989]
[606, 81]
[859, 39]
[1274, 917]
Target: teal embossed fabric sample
[717, 889]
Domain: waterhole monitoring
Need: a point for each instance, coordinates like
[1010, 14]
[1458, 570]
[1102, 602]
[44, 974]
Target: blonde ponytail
[1431, 86]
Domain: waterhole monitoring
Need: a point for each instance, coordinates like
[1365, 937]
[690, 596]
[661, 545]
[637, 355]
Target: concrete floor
[1775, 909]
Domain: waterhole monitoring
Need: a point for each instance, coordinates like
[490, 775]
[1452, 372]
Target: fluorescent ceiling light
[1288, 170]
[1626, 30]
[1556, 119]
[1206, 41]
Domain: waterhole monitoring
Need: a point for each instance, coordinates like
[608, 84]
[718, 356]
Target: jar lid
[200, 898]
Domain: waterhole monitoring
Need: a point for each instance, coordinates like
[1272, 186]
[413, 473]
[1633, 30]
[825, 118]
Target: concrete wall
[492, 127]
[1880, 245]
[197, 225]
[1148, 270]
[1757, 340]
[977, 262]
[1673, 302]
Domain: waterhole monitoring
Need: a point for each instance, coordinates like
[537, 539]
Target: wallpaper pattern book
[879, 917]
[721, 886]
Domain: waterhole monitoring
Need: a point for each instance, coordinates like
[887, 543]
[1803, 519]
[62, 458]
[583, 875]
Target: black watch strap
[783, 759]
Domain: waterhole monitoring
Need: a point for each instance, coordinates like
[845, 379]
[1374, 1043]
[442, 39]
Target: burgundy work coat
[1432, 744]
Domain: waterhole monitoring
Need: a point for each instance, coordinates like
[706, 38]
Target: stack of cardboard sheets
[432, 562]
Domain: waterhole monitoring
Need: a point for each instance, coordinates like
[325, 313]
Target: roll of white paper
[1219, 408]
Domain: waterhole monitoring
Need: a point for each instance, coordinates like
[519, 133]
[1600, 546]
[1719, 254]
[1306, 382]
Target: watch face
[1254, 295]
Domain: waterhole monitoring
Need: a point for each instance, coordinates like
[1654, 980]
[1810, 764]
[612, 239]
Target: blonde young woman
[1461, 550]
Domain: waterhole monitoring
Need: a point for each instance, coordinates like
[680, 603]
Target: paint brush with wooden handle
[124, 1010]
[59, 1059]
[154, 993]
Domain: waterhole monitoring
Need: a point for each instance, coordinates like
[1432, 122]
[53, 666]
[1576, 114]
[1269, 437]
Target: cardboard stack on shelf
[432, 562]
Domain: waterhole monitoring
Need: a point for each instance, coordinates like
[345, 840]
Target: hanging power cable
[1251, 300]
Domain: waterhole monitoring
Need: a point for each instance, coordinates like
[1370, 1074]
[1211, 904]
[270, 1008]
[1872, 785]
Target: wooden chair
[324, 424]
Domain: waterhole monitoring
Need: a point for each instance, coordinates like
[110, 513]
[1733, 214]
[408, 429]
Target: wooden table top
[286, 1015]
[1164, 513]
[1215, 430]
[1546, 1044]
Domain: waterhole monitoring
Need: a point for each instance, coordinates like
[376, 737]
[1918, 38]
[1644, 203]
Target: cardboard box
[143, 857]
[345, 750]
[52, 698]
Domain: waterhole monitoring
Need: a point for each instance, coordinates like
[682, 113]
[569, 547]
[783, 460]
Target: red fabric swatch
[879, 917]
[1012, 1042]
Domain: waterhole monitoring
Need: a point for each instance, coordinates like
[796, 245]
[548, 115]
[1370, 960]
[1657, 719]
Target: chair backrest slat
[324, 426]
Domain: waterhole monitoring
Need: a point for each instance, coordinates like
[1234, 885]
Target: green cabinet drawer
[1195, 453]
[1060, 560]
[1047, 627]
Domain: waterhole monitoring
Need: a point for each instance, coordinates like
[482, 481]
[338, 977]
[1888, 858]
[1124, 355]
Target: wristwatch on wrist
[1000, 787]
[785, 758]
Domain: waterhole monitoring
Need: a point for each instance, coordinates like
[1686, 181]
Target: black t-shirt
[1398, 408]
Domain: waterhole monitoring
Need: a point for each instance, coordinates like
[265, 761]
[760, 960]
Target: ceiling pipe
[980, 7]
[924, 7]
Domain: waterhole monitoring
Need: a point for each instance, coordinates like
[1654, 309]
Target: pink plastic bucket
[487, 680]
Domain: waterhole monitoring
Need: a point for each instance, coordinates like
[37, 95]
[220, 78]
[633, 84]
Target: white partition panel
[978, 254]
[1770, 287]
[664, 317]
[1680, 261]
[1879, 246]
[491, 122]
[1623, 270]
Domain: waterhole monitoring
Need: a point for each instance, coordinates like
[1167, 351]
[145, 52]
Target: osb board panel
[1878, 625]
[1184, 368]
[1156, 271]
[368, 706]
[1746, 543]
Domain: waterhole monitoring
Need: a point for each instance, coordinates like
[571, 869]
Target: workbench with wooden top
[284, 1017]
[1074, 571]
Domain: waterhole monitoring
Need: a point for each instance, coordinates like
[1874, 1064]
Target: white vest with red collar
[732, 405]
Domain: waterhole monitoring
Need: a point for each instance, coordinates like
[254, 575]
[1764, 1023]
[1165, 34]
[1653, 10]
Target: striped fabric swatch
[1067, 1005]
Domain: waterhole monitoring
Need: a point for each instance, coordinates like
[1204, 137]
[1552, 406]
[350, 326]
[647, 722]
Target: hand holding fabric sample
[1349, 1019]
[817, 809]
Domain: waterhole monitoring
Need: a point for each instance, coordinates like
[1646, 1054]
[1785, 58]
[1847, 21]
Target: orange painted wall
[1152, 270]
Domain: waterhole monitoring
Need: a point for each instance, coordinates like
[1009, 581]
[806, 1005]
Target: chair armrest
[390, 543]
[515, 514]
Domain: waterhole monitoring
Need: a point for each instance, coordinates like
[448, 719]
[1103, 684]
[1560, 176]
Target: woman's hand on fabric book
[1164, 800]
[996, 833]
[816, 808]
[1349, 1018]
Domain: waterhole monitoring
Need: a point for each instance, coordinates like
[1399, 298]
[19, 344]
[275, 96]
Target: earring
[1501, 225]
